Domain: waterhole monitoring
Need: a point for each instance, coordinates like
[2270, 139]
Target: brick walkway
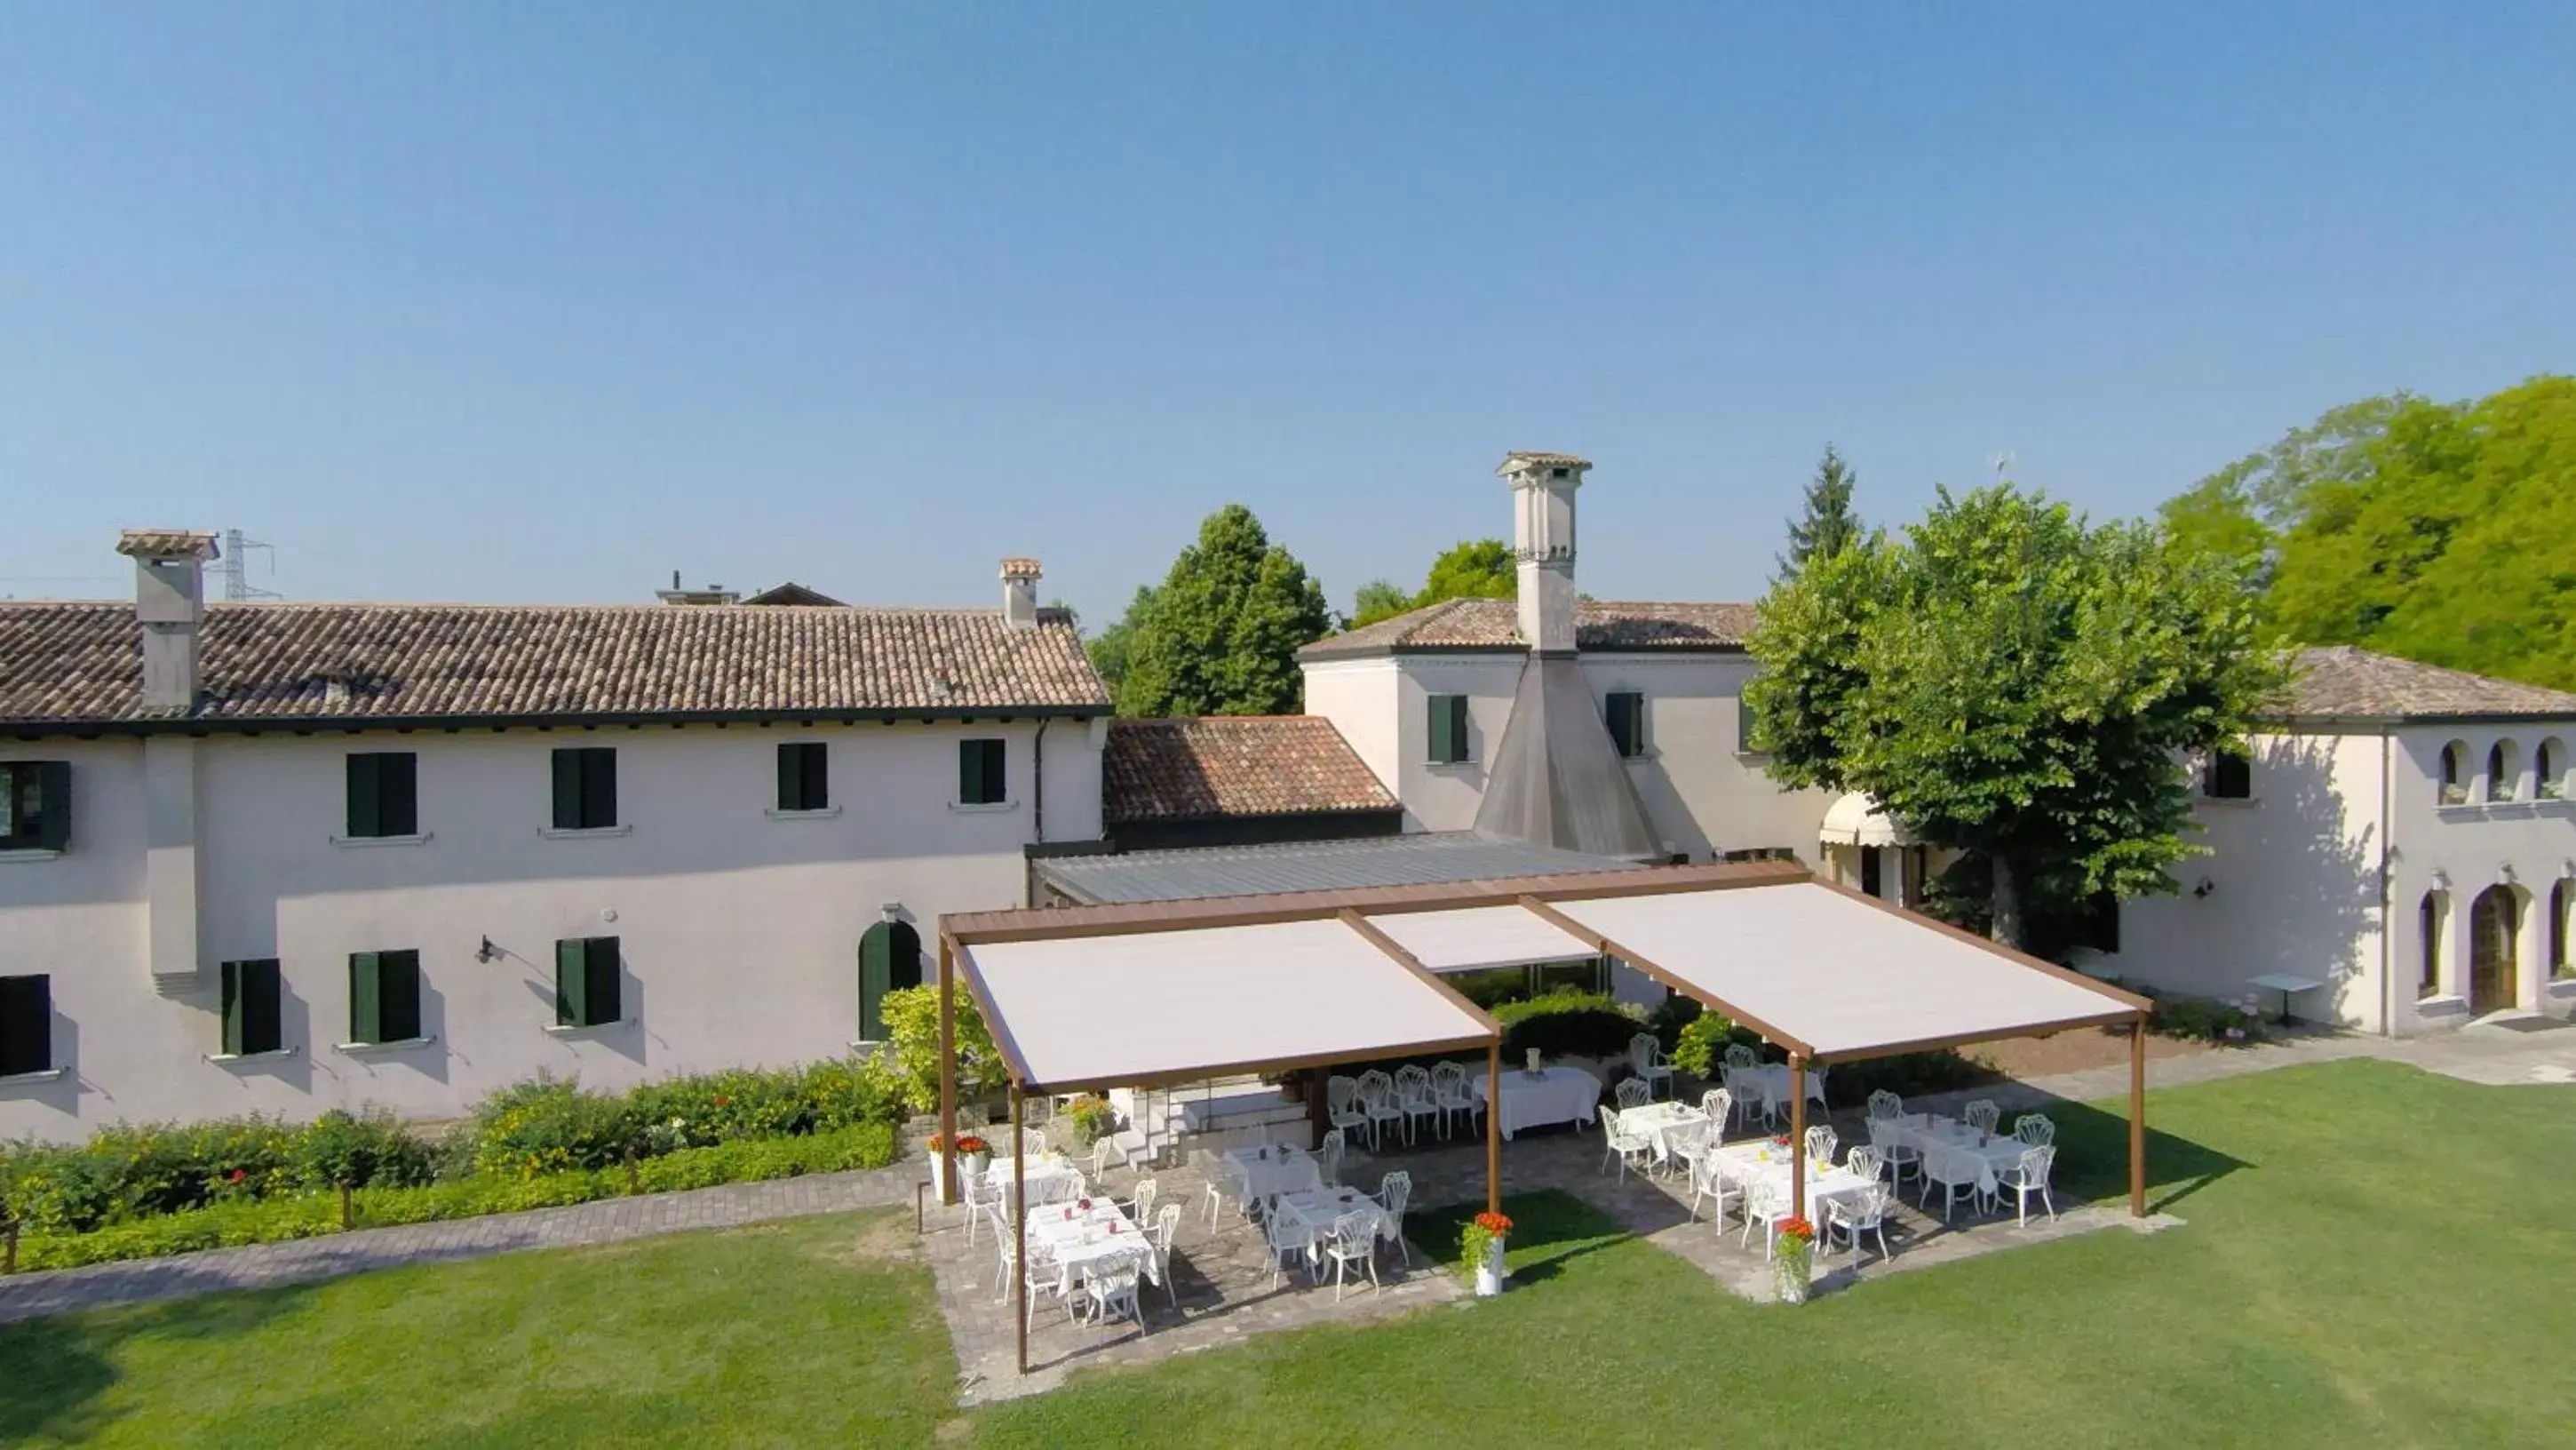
[304, 1261]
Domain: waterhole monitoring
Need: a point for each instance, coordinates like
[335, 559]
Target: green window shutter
[599, 787]
[398, 995]
[876, 959]
[1625, 713]
[818, 776]
[1744, 719]
[1448, 729]
[251, 993]
[979, 772]
[567, 790]
[236, 1009]
[398, 793]
[997, 786]
[26, 1025]
[601, 965]
[366, 996]
[791, 779]
[54, 805]
[572, 983]
[802, 781]
[366, 799]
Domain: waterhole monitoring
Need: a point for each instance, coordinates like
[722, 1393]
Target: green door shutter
[398, 995]
[26, 1025]
[54, 805]
[366, 799]
[572, 984]
[889, 961]
[567, 790]
[366, 993]
[601, 961]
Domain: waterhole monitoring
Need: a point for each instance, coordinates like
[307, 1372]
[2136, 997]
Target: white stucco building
[283, 857]
[2402, 833]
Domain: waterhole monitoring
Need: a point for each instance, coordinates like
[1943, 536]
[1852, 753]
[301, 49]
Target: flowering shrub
[972, 1144]
[1088, 1117]
[339, 1148]
[1479, 1234]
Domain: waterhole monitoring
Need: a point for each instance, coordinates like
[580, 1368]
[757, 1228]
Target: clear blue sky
[514, 302]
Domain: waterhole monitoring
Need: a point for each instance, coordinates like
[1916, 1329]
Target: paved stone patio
[1222, 1276]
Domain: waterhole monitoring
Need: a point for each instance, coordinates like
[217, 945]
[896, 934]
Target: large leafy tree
[1110, 649]
[1469, 569]
[1219, 635]
[1828, 526]
[2016, 684]
[2245, 509]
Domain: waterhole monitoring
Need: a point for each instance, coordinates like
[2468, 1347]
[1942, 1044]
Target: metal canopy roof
[1412, 860]
[1476, 937]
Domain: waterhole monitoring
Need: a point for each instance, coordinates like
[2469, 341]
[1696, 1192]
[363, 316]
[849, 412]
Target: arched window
[2433, 924]
[2549, 770]
[2504, 771]
[2455, 773]
[2562, 920]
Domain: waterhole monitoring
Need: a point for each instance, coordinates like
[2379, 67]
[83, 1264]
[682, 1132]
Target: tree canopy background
[1220, 634]
[1469, 569]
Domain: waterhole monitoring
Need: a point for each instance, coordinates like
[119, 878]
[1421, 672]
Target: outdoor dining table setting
[1321, 1208]
[1268, 1170]
[1930, 1133]
[1560, 1093]
[1769, 1160]
[1669, 1126]
[1088, 1234]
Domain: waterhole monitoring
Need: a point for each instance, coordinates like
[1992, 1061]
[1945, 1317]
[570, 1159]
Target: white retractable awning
[1087, 1012]
[1857, 819]
[1472, 938]
[1839, 973]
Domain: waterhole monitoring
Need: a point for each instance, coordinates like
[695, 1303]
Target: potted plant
[976, 1153]
[1086, 1118]
[1795, 1263]
[1481, 1249]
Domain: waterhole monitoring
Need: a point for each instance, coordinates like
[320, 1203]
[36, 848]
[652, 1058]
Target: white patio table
[1663, 1125]
[1994, 1152]
[1559, 1094]
[1042, 1172]
[1768, 1084]
[1318, 1208]
[1082, 1237]
[1270, 1168]
[1764, 1160]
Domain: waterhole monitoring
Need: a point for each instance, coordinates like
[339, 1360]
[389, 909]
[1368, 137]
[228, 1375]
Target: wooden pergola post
[2138, 1117]
[1020, 1219]
[1494, 1127]
[1797, 1135]
[947, 1072]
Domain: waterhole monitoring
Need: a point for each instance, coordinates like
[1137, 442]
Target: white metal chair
[1617, 1142]
[1885, 1104]
[1893, 1150]
[1377, 1101]
[1328, 1159]
[1958, 1175]
[1111, 1284]
[1981, 1115]
[1646, 1055]
[2037, 1131]
[1394, 1191]
[1167, 1221]
[1342, 1106]
[1865, 1161]
[1820, 1143]
[1859, 1213]
[1767, 1204]
[1413, 1096]
[1449, 1091]
[1632, 1092]
[2026, 1177]
[1288, 1234]
[1141, 1207]
[1352, 1240]
[1223, 1182]
[1708, 1180]
[1739, 1055]
[1101, 1149]
[1047, 1280]
[1717, 1104]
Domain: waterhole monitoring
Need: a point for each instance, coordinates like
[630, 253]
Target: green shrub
[1087, 1118]
[340, 1148]
[1672, 1017]
[1912, 1074]
[547, 1124]
[1702, 1048]
[1582, 1024]
[912, 1036]
[246, 1221]
[2202, 1020]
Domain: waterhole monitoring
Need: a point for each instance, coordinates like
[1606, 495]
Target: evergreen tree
[1829, 526]
[1220, 634]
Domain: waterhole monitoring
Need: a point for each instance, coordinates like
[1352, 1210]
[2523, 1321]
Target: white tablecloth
[1273, 1169]
[1042, 1172]
[1930, 1131]
[1663, 1124]
[1769, 1081]
[1744, 1162]
[1559, 1094]
[1319, 1208]
[1081, 1237]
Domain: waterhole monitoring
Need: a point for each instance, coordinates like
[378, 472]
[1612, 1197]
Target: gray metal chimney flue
[170, 607]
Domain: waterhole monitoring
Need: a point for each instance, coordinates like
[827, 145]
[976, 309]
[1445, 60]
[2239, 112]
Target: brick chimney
[1543, 486]
[1020, 593]
[170, 605]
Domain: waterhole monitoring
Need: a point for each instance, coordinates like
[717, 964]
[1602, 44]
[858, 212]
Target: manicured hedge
[1581, 1024]
[310, 1215]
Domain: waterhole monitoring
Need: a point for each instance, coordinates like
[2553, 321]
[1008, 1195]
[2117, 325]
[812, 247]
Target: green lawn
[2373, 1256]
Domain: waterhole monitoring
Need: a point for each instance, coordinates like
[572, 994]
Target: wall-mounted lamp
[487, 952]
[892, 910]
[2205, 887]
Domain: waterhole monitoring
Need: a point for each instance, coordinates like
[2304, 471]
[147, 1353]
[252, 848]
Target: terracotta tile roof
[1495, 624]
[2347, 682]
[1256, 765]
[74, 663]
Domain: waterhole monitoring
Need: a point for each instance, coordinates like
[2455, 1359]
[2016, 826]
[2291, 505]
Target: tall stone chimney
[1543, 486]
[1020, 593]
[170, 605]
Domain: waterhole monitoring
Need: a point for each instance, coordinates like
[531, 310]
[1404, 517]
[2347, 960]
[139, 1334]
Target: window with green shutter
[1744, 727]
[252, 998]
[1448, 728]
[1624, 711]
[384, 996]
[804, 783]
[35, 805]
[587, 985]
[980, 780]
[26, 1025]
[585, 787]
[384, 797]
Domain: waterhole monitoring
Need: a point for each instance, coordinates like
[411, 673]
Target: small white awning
[1840, 973]
[1136, 1009]
[1476, 937]
[1858, 820]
